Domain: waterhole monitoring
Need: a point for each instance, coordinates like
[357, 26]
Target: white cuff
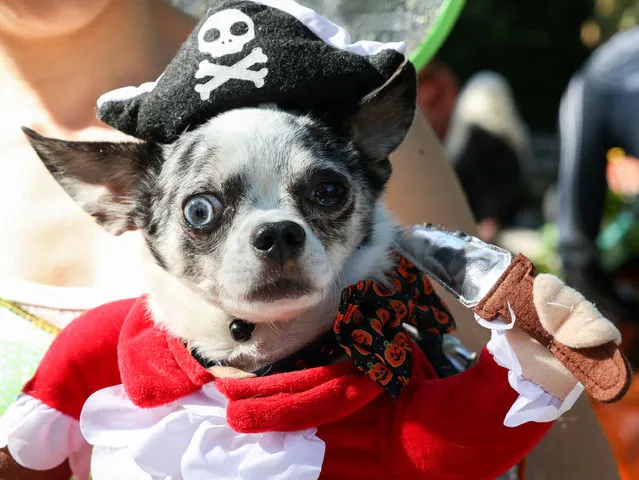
[39, 437]
[190, 439]
[534, 404]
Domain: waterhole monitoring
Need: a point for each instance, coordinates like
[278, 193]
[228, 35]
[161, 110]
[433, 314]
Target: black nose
[278, 241]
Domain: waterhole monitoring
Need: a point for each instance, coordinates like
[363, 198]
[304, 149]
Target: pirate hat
[248, 52]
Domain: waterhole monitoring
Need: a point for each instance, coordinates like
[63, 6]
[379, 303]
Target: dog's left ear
[384, 116]
[104, 178]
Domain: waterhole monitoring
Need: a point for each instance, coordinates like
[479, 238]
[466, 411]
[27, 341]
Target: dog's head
[259, 214]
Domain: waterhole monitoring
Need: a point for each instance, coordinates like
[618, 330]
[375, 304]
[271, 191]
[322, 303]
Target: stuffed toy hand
[560, 337]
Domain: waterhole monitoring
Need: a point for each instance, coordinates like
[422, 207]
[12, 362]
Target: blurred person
[600, 112]
[437, 91]
[56, 58]
[489, 147]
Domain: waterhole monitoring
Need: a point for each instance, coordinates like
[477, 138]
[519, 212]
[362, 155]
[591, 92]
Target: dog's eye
[328, 194]
[200, 210]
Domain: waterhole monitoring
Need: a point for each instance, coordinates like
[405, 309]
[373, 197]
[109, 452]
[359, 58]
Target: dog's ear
[102, 177]
[384, 116]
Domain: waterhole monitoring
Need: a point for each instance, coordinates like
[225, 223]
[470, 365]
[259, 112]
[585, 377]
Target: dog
[253, 222]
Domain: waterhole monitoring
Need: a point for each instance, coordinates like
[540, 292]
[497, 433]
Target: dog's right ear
[384, 116]
[102, 177]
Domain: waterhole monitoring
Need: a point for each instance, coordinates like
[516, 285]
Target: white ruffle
[330, 32]
[127, 93]
[190, 439]
[534, 404]
[41, 438]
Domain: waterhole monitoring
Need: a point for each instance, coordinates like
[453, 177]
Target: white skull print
[225, 33]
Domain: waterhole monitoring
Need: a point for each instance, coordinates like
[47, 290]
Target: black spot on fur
[233, 190]
[367, 230]
[186, 161]
[156, 254]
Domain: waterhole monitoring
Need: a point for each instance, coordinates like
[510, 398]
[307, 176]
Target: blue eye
[200, 211]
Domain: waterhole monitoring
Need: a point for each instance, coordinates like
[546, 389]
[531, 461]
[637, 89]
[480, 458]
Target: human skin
[58, 56]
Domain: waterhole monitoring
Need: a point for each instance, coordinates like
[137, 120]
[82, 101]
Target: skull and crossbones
[225, 33]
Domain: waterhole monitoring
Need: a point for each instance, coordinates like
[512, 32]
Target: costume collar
[157, 369]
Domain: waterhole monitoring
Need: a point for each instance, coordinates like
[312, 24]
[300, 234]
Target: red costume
[431, 431]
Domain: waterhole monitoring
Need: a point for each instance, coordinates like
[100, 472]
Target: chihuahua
[254, 222]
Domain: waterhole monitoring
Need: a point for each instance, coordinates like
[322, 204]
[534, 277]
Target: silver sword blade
[464, 265]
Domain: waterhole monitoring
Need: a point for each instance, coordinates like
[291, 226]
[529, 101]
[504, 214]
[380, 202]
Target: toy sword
[499, 286]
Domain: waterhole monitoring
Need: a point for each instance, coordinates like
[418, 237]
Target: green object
[546, 259]
[618, 240]
[448, 14]
[24, 339]
[423, 25]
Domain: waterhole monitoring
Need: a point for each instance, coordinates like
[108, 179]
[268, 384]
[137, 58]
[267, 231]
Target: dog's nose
[278, 241]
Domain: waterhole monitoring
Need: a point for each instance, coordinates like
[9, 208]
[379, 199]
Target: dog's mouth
[281, 289]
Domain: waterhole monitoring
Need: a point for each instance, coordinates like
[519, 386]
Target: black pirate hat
[248, 52]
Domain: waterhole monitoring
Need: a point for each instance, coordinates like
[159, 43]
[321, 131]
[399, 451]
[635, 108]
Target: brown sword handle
[604, 371]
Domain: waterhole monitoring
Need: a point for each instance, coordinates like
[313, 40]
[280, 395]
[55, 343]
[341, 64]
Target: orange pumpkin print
[400, 308]
[421, 307]
[401, 339]
[357, 317]
[377, 326]
[395, 355]
[348, 316]
[370, 327]
[427, 287]
[382, 291]
[441, 317]
[361, 340]
[383, 315]
[380, 374]
[403, 267]
[395, 321]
